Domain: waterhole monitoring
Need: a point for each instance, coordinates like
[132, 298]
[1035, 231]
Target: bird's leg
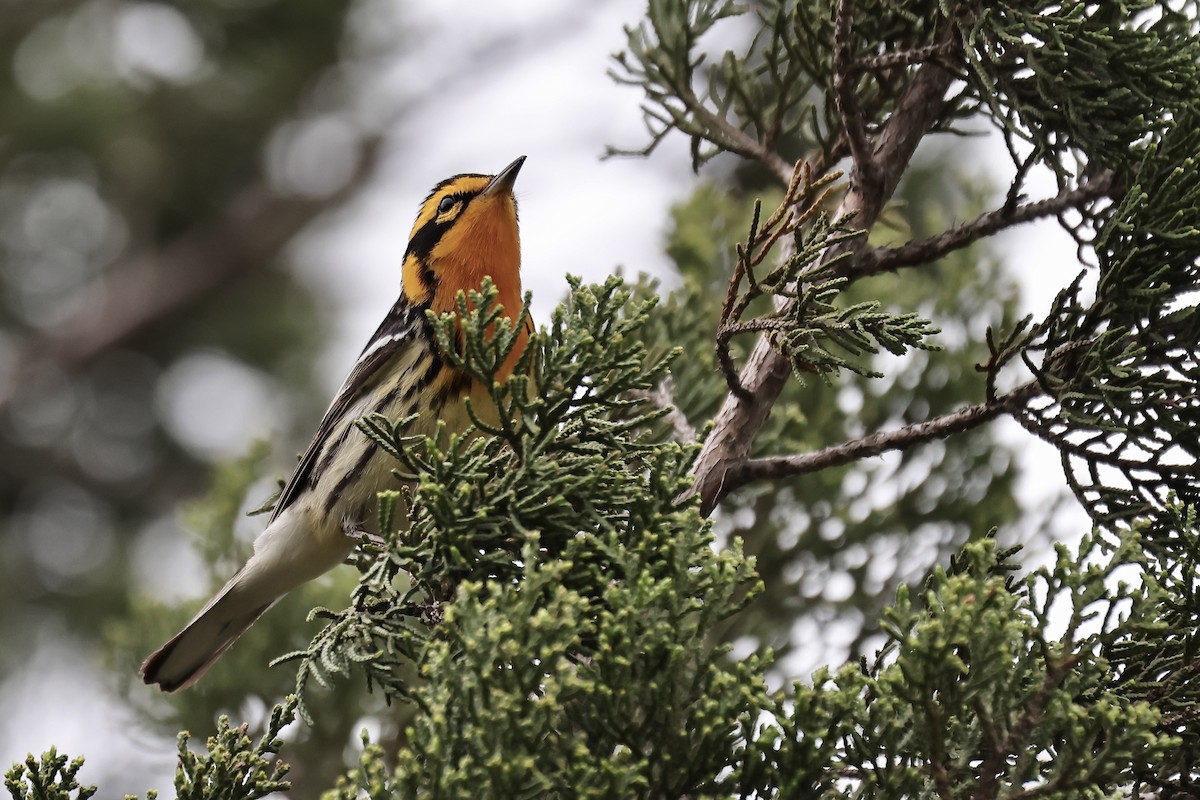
[363, 538]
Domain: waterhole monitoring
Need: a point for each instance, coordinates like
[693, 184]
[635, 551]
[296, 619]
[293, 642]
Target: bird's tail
[182, 660]
[285, 556]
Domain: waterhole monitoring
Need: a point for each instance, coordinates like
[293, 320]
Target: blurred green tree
[156, 161]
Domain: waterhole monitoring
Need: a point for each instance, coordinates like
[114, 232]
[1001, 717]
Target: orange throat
[483, 245]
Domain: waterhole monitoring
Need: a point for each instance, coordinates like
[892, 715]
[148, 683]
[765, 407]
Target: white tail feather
[287, 554]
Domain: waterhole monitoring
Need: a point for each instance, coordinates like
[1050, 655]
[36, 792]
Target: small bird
[466, 230]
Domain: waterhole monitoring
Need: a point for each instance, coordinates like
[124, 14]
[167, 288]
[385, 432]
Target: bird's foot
[363, 539]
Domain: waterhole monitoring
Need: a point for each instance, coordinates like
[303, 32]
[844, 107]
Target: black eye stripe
[426, 237]
[429, 234]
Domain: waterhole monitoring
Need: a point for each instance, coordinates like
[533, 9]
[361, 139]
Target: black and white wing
[400, 330]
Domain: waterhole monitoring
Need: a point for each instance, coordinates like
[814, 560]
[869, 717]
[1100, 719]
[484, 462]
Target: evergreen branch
[775, 467]
[1123, 368]
[235, 766]
[766, 372]
[745, 107]
[1128, 456]
[1070, 81]
[890, 259]
[919, 108]
[998, 754]
[1018, 182]
[854, 124]
[52, 777]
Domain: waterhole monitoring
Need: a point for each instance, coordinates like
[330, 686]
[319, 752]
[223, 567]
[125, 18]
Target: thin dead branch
[890, 259]
[776, 467]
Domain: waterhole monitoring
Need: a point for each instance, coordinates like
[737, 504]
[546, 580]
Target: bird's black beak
[503, 182]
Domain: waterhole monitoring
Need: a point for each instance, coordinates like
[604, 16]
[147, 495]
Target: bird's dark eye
[446, 204]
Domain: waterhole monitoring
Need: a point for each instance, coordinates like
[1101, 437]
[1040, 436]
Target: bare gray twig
[889, 259]
[774, 467]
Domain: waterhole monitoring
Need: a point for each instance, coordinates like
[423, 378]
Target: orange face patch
[459, 238]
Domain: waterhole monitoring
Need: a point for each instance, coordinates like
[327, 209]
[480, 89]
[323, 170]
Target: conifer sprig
[1123, 369]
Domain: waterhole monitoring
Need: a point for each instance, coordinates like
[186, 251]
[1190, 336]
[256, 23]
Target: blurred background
[203, 207]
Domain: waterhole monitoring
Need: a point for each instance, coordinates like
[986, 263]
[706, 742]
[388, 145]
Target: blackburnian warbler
[465, 231]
